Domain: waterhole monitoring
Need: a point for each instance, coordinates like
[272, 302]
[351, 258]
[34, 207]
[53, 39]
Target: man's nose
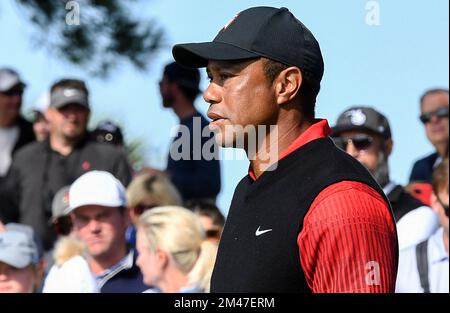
[434, 119]
[3, 274]
[211, 95]
[352, 150]
[94, 226]
[16, 98]
[71, 115]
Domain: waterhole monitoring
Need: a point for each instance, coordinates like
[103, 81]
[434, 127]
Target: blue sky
[387, 66]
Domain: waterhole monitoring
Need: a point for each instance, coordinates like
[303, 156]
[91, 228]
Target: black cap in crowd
[267, 32]
[68, 95]
[184, 76]
[108, 132]
[364, 119]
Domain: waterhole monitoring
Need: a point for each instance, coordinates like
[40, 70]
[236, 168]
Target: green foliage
[106, 34]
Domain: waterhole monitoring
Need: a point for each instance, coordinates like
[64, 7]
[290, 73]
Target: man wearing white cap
[15, 132]
[97, 205]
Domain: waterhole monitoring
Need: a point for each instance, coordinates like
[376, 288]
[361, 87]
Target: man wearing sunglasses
[434, 116]
[365, 134]
[15, 131]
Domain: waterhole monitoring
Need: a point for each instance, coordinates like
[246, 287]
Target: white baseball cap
[42, 103]
[9, 79]
[96, 188]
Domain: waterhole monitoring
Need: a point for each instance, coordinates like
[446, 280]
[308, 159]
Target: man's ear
[434, 203]
[388, 145]
[127, 216]
[287, 84]
[49, 114]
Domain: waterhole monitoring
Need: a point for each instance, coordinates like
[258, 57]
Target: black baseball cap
[108, 132]
[257, 32]
[68, 95]
[364, 119]
[184, 76]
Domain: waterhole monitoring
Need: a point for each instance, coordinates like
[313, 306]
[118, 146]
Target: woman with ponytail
[174, 254]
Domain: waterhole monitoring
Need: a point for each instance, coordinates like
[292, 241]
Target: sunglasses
[141, 208]
[360, 142]
[13, 92]
[212, 233]
[439, 113]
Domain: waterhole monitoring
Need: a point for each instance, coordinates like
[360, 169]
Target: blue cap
[17, 249]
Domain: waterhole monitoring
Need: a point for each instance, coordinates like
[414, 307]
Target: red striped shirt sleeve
[348, 242]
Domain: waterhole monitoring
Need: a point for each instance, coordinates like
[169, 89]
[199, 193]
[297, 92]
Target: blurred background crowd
[80, 211]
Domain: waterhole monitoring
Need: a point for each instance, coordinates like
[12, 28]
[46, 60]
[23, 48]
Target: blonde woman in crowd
[147, 191]
[173, 251]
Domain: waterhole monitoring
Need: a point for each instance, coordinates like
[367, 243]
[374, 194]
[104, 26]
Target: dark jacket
[402, 202]
[193, 175]
[26, 135]
[38, 172]
[423, 169]
[126, 278]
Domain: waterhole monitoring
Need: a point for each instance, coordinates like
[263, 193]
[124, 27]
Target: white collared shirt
[8, 138]
[408, 280]
[125, 263]
[416, 225]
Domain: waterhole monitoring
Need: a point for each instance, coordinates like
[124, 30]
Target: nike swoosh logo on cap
[260, 232]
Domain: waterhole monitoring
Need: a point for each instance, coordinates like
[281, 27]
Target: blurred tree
[94, 34]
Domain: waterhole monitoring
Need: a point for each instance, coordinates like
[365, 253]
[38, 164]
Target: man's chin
[224, 141]
[74, 135]
[97, 252]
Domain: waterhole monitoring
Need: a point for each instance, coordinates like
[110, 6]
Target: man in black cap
[195, 176]
[365, 134]
[108, 132]
[40, 169]
[314, 219]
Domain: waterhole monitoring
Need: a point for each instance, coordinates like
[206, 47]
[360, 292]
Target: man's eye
[224, 76]
[219, 78]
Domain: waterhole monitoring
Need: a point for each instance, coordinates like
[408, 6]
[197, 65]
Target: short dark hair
[70, 83]
[440, 177]
[308, 90]
[206, 209]
[432, 91]
[188, 79]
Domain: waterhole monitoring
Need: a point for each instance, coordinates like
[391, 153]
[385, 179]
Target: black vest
[402, 202]
[278, 200]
